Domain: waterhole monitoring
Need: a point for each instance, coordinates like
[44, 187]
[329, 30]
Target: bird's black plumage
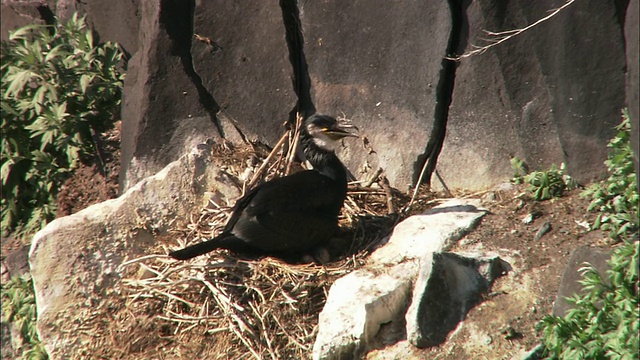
[291, 214]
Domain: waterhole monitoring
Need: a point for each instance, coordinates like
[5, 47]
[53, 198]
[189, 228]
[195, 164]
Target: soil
[504, 321]
[503, 324]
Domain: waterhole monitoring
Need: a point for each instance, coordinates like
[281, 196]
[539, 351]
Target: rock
[632, 92]
[75, 260]
[246, 68]
[570, 283]
[386, 87]
[165, 109]
[433, 231]
[537, 353]
[535, 101]
[16, 14]
[448, 285]
[357, 305]
[379, 293]
[114, 20]
[382, 69]
[16, 261]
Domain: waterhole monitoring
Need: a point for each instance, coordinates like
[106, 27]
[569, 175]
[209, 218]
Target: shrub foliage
[543, 185]
[616, 198]
[604, 321]
[60, 91]
[19, 308]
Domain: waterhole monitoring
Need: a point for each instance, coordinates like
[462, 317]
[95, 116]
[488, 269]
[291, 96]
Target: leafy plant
[60, 90]
[616, 198]
[19, 307]
[604, 322]
[543, 185]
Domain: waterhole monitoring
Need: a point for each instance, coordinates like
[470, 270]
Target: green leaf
[17, 81]
[24, 32]
[58, 50]
[85, 80]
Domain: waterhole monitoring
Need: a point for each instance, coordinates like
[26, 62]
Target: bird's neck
[324, 161]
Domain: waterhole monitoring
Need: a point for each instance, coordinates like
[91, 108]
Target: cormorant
[289, 215]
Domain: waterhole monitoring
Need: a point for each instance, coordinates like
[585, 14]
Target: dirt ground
[503, 323]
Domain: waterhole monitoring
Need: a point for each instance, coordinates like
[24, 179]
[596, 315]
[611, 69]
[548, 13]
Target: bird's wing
[291, 213]
[239, 207]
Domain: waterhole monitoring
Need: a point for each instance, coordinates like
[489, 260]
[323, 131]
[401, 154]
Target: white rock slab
[75, 259]
[433, 231]
[380, 292]
[357, 305]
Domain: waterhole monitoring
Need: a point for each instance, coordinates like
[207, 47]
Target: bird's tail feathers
[198, 249]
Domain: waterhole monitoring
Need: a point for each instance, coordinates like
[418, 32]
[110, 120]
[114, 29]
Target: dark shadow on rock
[458, 37]
[177, 19]
[295, 44]
[450, 209]
[455, 284]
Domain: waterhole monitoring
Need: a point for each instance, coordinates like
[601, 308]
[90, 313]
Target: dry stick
[506, 35]
[415, 191]
[294, 147]
[142, 258]
[387, 189]
[266, 161]
[446, 188]
[373, 178]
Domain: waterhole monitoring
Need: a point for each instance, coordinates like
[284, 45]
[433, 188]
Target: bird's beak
[337, 132]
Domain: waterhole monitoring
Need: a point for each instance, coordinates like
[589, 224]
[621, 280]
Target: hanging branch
[496, 38]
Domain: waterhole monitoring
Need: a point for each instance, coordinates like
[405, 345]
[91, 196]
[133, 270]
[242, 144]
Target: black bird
[292, 214]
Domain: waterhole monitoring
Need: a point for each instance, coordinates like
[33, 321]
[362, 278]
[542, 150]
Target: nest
[222, 306]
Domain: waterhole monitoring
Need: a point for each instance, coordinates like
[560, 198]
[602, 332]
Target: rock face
[448, 285]
[166, 108]
[633, 58]
[549, 95]
[570, 284]
[219, 70]
[388, 86]
[246, 68]
[75, 260]
[408, 275]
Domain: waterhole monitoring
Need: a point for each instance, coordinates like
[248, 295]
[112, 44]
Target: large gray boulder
[552, 94]
[75, 260]
[570, 284]
[447, 287]
[378, 63]
[549, 95]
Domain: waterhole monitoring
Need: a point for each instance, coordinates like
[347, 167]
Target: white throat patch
[324, 142]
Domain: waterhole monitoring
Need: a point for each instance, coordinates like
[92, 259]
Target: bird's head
[325, 131]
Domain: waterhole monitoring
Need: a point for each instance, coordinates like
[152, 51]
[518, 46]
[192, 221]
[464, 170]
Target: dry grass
[222, 306]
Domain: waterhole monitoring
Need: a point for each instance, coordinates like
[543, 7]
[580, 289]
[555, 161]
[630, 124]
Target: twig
[373, 178]
[142, 258]
[415, 191]
[266, 161]
[444, 186]
[506, 35]
[387, 189]
[294, 147]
